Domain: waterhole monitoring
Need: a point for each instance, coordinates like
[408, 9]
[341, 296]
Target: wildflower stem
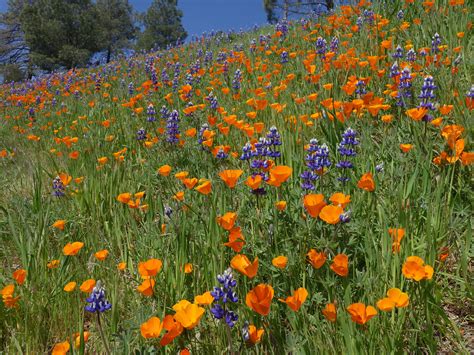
[102, 335]
[229, 340]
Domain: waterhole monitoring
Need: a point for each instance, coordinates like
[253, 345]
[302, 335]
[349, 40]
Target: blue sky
[206, 15]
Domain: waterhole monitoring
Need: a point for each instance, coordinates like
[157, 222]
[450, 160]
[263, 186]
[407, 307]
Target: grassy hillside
[327, 162]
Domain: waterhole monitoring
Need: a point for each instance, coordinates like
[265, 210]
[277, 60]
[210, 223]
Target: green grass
[432, 203]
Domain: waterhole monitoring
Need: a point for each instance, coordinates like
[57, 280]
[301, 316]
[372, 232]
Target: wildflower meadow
[302, 188]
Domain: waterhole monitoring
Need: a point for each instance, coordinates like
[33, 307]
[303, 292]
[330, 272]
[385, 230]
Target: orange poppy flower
[340, 199]
[330, 312]
[260, 298]
[189, 183]
[280, 262]
[397, 235]
[77, 339]
[340, 265]
[253, 181]
[366, 182]
[330, 214]
[255, 335]
[279, 174]
[173, 329]
[71, 249]
[360, 313]
[416, 114]
[19, 276]
[314, 204]
[65, 178]
[164, 170]
[53, 264]
[236, 239]
[101, 255]
[146, 288]
[243, 265]
[415, 268]
[396, 298]
[205, 299]
[149, 268]
[188, 314]
[124, 197]
[181, 175]
[188, 268]
[230, 177]
[405, 148]
[59, 224]
[70, 286]
[205, 188]
[87, 286]
[227, 220]
[280, 205]
[297, 299]
[121, 266]
[7, 296]
[61, 348]
[151, 328]
[316, 259]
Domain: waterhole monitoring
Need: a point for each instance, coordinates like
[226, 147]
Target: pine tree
[162, 23]
[116, 25]
[60, 33]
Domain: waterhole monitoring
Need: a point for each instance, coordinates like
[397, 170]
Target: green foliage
[163, 26]
[116, 24]
[60, 33]
[11, 72]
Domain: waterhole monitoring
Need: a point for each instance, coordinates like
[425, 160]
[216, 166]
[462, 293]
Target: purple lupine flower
[334, 46]
[165, 113]
[369, 16]
[404, 87]
[284, 57]
[400, 14]
[345, 217]
[97, 301]
[470, 93]
[97, 84]
[321, 46]
[398, 52]
[317, 161]
[379, 168]
[172, 127]
[411, 55]
[282, 27]
[221, 154]
[150, 111]
[130, 89]
[200, 135]
[347, 151]
[435, 42]
[361, 88]
[224, 295]
[272, 142]
[164, 76]
[237, 79]
[394, 70]
[427, 95]
[58, 187]
[141, 134]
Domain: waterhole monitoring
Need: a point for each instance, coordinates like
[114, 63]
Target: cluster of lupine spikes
[260, 156]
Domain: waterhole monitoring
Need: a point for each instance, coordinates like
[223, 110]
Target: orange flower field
[301, 188]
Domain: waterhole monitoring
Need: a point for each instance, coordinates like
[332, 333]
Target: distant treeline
[47, 35]
[53, 34]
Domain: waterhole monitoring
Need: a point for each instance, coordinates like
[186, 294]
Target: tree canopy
[162, 24]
